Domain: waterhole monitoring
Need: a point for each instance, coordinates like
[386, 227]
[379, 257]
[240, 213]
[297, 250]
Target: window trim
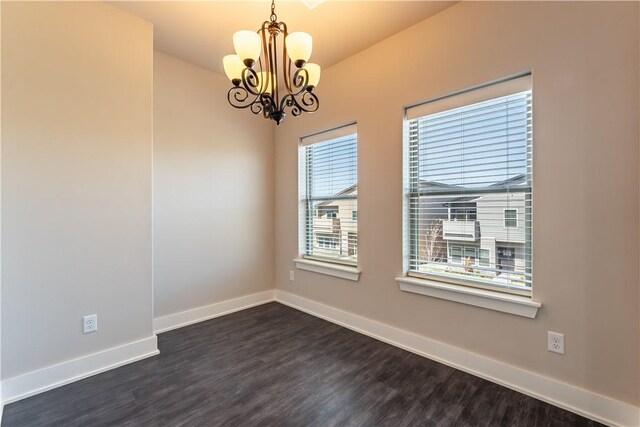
[518, 305]
[329, 266]
[515, 83]
[343, 271]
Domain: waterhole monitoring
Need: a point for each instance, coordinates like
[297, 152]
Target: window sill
[512, 304]
[336, 270]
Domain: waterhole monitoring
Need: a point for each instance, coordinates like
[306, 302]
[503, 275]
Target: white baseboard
[31, 383]
[200, 314]
[588, 404]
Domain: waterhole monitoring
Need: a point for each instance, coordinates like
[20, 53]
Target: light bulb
[314, 74]
[247, 46]
[299, 47]
[233, 67]
[264, 82]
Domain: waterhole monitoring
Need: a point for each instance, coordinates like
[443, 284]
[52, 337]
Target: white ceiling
[200, 31]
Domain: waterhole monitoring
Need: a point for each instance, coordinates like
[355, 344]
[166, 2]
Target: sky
[473, 147]
[476, 145]
[334, 165]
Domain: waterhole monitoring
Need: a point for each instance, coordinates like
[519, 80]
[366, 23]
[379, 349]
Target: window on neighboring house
[510, 218]
[463, 254]
[468, 172]
[485, 257]
[328, 181]
[456, 254]
[327, 211]
[469, 256]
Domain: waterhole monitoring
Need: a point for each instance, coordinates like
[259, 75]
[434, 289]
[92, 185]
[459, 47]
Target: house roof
[515, 180]
[344, 192]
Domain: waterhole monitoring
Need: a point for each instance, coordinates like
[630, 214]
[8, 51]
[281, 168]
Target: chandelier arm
[273, 67]
[240, 98]
[307, 103]
[268, 106]
[256, 107]
[263, 36]
[250, 81]
[310, 101]
[288, 101]
[286, 62]
[300, 81]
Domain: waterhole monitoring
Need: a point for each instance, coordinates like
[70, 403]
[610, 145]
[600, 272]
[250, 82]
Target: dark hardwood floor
[275, 366]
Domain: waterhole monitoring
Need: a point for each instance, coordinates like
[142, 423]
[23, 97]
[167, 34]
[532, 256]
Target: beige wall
[76, 180]
[584, 58]
[213, 191]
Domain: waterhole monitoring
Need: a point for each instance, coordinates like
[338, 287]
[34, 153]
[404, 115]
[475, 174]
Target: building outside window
[329, 196]
[468, 177]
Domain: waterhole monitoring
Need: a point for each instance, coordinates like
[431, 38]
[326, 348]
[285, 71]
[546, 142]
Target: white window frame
[327, 266]
[444, 288]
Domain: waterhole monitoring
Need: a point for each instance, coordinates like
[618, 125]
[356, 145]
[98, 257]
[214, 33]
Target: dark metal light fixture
[260, 90]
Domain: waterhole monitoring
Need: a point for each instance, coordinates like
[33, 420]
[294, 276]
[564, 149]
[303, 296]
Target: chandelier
[256, 78]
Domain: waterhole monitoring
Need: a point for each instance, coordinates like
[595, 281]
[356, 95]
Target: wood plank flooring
[275, 366]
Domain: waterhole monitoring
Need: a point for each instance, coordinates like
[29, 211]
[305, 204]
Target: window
[460, 213]
[468, 178]
[328, 196]
[469, 255]
[510, 218]
[485, 257]
[328, 211]
[463, 254]
[456, 254]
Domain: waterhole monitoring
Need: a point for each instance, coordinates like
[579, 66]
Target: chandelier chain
[274, 17]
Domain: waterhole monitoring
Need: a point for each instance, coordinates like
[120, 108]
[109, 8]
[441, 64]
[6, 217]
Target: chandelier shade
[299, 47]
[269, 77]
[233, 67]
[314, 74]
[247, 45]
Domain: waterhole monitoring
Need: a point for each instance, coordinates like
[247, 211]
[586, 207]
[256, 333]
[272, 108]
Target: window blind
[469, 176]
[329, 196]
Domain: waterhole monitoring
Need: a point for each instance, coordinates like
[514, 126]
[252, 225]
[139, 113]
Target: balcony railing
[465, 231]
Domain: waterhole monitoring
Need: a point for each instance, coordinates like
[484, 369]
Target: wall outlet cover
[90, 323]
[555, 342]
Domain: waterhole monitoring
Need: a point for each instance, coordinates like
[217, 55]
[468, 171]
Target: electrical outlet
[90, 323]
[291, 275]
[555, 342]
